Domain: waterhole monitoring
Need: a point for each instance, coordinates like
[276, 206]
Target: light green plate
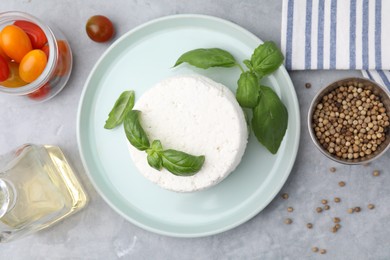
[137, 61]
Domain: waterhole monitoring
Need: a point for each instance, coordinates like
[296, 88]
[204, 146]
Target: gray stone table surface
[98, 232]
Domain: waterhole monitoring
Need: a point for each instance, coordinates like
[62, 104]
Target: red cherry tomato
[15, 42]
[32, 65]
[40, 93]
[4, 69]
[46, 50]
[64, 59]
[99, 28]
[14, 80]
[35, 33]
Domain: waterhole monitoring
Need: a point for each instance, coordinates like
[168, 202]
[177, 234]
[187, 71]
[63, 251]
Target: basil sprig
[270, 116]
[124, 103]
[176, 162]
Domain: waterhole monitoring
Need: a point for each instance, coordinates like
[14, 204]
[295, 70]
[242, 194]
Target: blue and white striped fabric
[343, 34]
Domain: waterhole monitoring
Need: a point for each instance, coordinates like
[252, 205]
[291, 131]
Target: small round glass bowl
[57, 70]
[335, 119]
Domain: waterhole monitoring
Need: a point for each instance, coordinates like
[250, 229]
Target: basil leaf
[154, 160]
[248, 64]
[266, 59]
[157, 146]
[180, 163]
[134, 132]
[247, 93]
[270, 117]
[207, 58]
[123, 104]
[154, 157]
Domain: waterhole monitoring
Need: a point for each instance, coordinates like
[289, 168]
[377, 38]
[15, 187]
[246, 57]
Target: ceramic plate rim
[255, 210]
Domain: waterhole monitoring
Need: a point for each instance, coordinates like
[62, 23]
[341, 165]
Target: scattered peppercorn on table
[325, 210]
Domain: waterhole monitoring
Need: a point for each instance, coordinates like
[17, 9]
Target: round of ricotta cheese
[195, 115]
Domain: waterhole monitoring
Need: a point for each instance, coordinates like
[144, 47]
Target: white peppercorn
[350, 121]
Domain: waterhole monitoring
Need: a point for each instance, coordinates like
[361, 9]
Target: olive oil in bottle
[37, 188]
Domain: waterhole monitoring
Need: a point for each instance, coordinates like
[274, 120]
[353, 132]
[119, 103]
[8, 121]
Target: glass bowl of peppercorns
[349, 120]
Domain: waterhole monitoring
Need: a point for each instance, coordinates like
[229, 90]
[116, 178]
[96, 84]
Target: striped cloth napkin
[343, 34]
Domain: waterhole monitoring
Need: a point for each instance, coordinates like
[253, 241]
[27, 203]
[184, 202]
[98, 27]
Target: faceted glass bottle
[37, 188]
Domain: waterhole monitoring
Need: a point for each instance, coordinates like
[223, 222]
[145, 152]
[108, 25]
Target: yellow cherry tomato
[32, 65]
[14, 80]
[15, 42]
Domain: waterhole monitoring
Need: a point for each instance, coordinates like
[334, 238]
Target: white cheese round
[195, 115]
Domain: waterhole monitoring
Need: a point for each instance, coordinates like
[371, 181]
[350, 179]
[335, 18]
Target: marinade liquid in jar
[37, 189]
[46, 47]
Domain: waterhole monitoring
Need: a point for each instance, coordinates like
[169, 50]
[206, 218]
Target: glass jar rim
[7, 17]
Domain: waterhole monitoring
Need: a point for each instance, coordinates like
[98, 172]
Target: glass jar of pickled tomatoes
[35, 59]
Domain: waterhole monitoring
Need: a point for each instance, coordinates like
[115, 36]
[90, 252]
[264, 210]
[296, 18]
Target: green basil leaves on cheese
[154, 155]
[180, 163]
[134, 131]
[176, 162]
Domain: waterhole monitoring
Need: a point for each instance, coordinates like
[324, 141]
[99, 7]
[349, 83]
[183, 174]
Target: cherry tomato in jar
[46, 50]
[2, 53]
[15, 42]
[4, 69]
[14, 80]
[34, 32]
[40, 93]
[64, 59]
[99, 28]
[32, 65]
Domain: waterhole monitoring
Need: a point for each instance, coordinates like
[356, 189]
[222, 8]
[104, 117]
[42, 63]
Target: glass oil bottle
[37, 189]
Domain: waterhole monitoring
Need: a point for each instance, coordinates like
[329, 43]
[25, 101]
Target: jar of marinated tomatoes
[35, 59]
